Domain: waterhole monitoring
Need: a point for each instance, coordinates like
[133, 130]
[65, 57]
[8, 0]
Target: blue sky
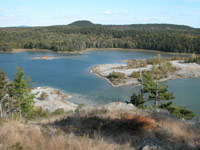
[61, 12]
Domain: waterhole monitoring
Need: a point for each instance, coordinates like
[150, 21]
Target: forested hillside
[84, 34]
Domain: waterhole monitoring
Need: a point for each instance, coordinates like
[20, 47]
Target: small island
[43, 57]
[47, 57]
[162, 69]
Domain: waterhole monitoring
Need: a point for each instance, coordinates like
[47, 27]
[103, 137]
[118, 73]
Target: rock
[150, 147]
[120, 105]
[52, 99]
[150, 144]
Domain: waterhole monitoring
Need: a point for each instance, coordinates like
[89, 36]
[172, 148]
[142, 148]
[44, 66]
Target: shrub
[155, 61]
[38, 112]
[167, 67]
[59, 111]
[135, 74]
[137, 100]
[136, 63]
[117, 75]
[43, 96]
[193, 59]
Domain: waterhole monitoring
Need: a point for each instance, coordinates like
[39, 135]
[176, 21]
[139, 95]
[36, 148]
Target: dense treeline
[82, 35]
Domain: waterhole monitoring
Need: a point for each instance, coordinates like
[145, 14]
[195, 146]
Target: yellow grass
[97, 129]
[17, 136]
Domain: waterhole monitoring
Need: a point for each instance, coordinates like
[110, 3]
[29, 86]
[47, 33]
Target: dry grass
[177, 129]
[17, 136]
[98, 129]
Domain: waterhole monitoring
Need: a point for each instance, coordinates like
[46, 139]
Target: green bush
[116, 75]
[135, 74]
[155, 61]
[193, 59]
[38, 112]
[43, 96]
[59, 111]
[137, 100]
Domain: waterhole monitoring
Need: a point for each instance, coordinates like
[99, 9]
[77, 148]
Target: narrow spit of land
[128, 73]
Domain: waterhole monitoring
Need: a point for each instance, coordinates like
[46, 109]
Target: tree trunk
[118, 93]
[1, 111]
[156, 98]
[141, 81]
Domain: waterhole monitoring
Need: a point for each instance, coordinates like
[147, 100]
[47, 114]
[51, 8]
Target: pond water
[71, 75]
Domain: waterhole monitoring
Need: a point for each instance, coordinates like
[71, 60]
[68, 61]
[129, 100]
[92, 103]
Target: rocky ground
[52, 99]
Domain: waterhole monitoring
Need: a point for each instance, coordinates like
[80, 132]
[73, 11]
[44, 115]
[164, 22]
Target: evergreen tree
[161, 93]
[178, 111]
[21, 92]
[137, 100]
[157, 92]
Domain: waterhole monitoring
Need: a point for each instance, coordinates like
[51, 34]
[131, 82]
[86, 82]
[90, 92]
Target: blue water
[71, 75]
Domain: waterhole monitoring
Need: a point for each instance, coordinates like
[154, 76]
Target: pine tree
[138, 100]
[161, 93]
[178, 111]
[21, 92]
[157, 92]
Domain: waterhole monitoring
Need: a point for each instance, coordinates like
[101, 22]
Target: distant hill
[151, 27]
[83, 23]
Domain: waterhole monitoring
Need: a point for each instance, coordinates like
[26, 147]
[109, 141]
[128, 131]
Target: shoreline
[93, 49]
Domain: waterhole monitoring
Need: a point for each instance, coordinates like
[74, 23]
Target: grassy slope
[97, 129]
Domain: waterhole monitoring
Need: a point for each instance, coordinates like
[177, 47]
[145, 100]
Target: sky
[62, 12]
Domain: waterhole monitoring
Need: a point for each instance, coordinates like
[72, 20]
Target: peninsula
[162, 69]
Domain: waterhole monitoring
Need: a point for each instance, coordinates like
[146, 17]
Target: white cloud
[8, 17]
[107, 12]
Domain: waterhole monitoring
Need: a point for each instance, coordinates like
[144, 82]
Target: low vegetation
[155, 61]
[99, 128]
[135, 74]
[161, 69]
[193, 59]
[43, 96]
[136, 63]
[116, 76]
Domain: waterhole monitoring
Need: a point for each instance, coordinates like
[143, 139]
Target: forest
[81, 35]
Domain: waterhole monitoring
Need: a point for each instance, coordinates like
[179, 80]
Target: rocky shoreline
[184, 70]
[52, 99]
